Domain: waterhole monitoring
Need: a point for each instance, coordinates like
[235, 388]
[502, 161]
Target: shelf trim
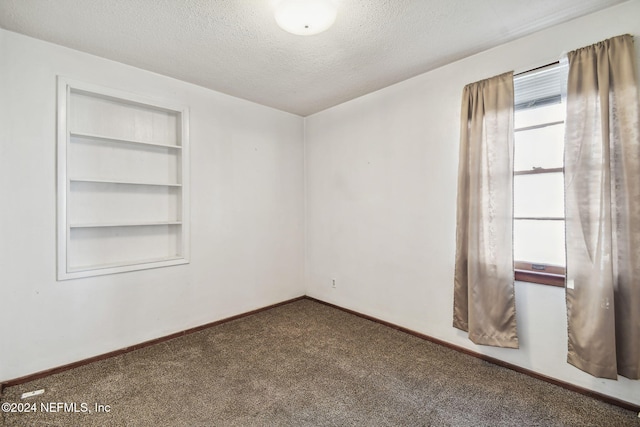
[121, 140]
[124, 224]
[124, 266]
[109, 181]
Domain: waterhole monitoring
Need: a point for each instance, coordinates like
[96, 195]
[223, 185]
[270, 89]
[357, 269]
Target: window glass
[537, 116]
[539, 148]
[540, 242]
[539, 195]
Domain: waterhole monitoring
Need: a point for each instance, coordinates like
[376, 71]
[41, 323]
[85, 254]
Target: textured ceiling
[235, 46]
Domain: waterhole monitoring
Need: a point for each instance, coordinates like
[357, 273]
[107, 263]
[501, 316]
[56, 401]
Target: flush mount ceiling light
[305, 17]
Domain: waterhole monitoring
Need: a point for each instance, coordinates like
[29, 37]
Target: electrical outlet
[333, 283]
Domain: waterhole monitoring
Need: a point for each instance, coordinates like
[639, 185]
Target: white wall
[381, 177]
[246, 216]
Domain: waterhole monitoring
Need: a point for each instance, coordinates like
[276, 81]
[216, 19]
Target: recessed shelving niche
[123, 190]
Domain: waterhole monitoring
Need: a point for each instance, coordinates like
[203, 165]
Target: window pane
[538, 195]
[540, 242]
[537, 116]
[540, 86]
[539, 148]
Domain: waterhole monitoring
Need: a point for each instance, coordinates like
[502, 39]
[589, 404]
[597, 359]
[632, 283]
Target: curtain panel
[602, 207]
[484, 300]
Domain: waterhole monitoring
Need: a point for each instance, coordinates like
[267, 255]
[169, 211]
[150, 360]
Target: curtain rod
[537, 68]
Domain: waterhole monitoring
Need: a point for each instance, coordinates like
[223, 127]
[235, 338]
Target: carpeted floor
[307, 364]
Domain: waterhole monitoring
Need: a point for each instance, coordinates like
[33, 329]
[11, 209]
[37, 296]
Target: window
[538, 228]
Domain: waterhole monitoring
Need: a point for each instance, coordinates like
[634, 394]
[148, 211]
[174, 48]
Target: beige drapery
[602, 186]
[484, 301]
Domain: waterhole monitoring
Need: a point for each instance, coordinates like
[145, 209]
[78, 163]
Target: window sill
[541, 278]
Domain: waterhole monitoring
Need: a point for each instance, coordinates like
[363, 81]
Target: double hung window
[538, 226]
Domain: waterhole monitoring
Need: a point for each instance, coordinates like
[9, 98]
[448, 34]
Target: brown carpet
[305, 364]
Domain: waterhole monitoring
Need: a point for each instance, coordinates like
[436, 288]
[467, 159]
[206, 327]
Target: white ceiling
[235, 46]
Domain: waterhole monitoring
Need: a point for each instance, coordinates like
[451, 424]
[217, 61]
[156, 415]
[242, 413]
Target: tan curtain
[484, 302]
[602, 185]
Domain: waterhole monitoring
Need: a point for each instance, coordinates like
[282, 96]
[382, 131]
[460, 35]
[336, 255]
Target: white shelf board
[125, 224]
[109, 181]
[121, 140]
[137, 264]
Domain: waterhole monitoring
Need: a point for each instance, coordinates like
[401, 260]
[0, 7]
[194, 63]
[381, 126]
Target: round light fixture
[305, 17]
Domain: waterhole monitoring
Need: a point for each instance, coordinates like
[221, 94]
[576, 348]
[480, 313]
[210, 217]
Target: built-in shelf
[110, 181]
[119, 140]
[125, 224]
[122, 165]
